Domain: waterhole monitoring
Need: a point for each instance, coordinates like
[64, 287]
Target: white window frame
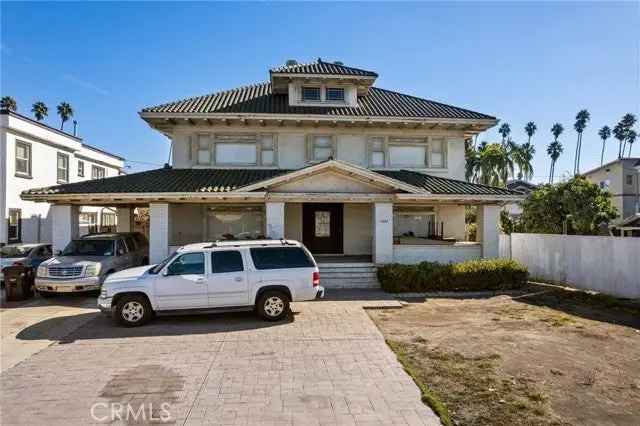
[340, 100]
[80, 168]
[262, 149]
[304, 87]
[311, 139]
[426, 141]
[66, 168]
[27, 147]
[94, 172]
[371, 150]
[408, 142]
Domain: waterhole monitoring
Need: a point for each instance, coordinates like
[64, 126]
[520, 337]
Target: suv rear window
[280, 258]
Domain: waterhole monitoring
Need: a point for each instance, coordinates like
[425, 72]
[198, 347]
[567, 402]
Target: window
[203, 149]
[90, 220]
[235, 223]
[226, 261]
[189, 263]
[14, 226]
[97, 172]
[236, 153]
[121, 248]
[81, 168]
[629, 179]
[280, 257]
[23, 159]
[131, 243]
[108, 222]
[376, 153]
[604, 184]
[418, 223]
[408, 155]
[437, 153]
[321, 148]
[311, 94]
[322, 224]
[267, 150]
[63, 168]
[334, 94]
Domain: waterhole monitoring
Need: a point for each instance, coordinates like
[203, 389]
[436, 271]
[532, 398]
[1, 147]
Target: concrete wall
[358, 232]
[459, 252]
[605, 264]
[293, 221]
[453, 218]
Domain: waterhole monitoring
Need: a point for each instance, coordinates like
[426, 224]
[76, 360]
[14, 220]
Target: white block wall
[275, 220]
[64, 221]
[383, 232]
[488, 230]
[158, 231]
[124, 219]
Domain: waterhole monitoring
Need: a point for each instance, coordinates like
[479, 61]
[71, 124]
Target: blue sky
[517, 61]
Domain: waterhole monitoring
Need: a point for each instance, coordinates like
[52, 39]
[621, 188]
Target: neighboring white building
[622, 179]
[33, 154]
[316, 154]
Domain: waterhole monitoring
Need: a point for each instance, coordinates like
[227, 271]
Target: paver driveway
[329, 364]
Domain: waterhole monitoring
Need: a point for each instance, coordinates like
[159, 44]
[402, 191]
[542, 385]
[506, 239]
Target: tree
[39, 110]
[582, 118]
[7, 102]
[604, 133]
[619, 132]
[555, 148]
[530, 129]
[582, 205]
[628, 121]
[65, 112]
[505, 131]
[523, 156]
[631, 138]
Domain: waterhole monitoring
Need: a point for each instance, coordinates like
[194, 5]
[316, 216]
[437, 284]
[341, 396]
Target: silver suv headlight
[42, 271]
[92, 270]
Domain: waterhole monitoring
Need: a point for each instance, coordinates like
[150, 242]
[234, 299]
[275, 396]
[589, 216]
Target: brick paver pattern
[328, 365]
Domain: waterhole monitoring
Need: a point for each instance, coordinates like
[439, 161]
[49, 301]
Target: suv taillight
[316, 279]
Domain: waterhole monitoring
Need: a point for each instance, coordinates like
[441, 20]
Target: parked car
[85, 262]
[264, 275]
[23, 255]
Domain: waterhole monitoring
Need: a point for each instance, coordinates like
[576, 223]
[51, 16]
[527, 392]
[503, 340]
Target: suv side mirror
[119, 252]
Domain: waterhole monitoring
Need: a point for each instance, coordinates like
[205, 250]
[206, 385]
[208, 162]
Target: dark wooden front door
[322, 228]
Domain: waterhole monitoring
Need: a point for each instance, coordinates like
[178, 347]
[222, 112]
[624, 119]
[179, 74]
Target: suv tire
[273, 305]
[133, 311]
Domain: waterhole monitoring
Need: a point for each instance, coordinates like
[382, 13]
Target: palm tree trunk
[579, 155]
[624, 148]
[620, 149]
[575, 158]
[602, 154]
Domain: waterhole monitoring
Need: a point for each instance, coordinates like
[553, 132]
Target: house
[317, 154]
[523, 187]
[33, 154]
[622, 179]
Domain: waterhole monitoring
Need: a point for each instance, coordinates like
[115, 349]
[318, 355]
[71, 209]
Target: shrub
[472, 275]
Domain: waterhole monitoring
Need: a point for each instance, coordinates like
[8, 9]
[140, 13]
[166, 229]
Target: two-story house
[622, 179]
[317, 154]
[33, 154]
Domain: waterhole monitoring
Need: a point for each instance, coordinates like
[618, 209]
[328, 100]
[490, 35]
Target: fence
[609, 265]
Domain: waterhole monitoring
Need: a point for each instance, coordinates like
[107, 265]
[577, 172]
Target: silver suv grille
[65, 271]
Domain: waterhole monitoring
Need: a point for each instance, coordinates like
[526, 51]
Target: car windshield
[15, 251]
[162, 264]
[89, 248]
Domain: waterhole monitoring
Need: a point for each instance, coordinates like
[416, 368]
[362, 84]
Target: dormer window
[311, 94]
[335, 94]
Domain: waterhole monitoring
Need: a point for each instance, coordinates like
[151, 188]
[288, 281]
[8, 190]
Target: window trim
[29, 159]
[66, 169]
[95, 168]
[311, 146]
[426, 141]
[80, 168]
[337, 100]
[226, 138]
[18, 226]
[302, 92]
[371, 151]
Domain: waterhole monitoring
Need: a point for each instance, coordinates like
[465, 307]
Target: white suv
[213, 277]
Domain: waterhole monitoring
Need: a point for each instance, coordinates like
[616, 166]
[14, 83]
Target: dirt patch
[546, 356]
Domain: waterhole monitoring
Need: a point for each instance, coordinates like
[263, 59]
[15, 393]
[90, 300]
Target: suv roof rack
[244, 243]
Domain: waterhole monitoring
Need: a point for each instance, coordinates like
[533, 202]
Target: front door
[322, 228]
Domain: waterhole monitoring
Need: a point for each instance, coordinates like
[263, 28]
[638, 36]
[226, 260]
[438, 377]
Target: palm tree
[65, 112]
[504, 130]
[620, 133]
[7, 102]
[530, 129]
[628, 122]
[582, 118]
[631, 138]
[39, 110]
[604, 133]
[522, 157]
[554, 150]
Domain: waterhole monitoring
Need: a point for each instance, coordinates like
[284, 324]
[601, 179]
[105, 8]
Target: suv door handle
[237, 279]
[199, 280]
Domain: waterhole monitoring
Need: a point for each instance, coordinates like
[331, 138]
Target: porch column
[275, 220]
[124, 219]
[488, 229]
[382, 232]
[158, 232]
[65, 225]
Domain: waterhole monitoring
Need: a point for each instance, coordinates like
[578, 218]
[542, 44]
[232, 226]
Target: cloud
[86, 84]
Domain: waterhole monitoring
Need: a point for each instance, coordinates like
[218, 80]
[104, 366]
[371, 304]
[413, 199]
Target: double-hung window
[14, 226]
[236, 153]
[310, 94]
[267, 150]
[63, 168]
[334, 94]
[97, 172]
[438, 158]
[376, 151]
[322, 148]
[203, 149]
[80, 168]
[405, 152]
[23, 159]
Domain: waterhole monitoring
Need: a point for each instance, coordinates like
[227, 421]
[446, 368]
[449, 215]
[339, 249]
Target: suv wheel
[273, 305]
[132, 311]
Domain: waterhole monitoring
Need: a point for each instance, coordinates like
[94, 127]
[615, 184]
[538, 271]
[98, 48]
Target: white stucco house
[33, 154]
[359, 174]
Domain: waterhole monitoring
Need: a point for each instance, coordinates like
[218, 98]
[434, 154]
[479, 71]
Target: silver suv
[85, 262]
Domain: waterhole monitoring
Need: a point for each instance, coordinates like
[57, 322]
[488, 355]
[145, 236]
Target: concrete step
[348, 275]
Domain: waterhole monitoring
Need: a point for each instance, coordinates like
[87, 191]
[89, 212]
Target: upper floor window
[63, 168]
[334, 94]
[311, 94]
[321, 148]
[238, 149]
[376, 151]
[629, 179]
[23, 159]
[437, 153]
[236, 153]
[267, 150]
[203, 149]
[81, 168]
[97, 172]
[417, 153]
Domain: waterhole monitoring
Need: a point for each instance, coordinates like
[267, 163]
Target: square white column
[158, 232]
[275, 220]
[488, 232]
[65, 225]
[382, 232]
[124, 219]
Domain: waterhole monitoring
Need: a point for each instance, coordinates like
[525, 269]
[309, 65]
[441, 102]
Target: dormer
[321, 84]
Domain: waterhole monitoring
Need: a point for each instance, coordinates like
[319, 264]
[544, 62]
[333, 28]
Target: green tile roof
[440, 185]
[324, 68]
